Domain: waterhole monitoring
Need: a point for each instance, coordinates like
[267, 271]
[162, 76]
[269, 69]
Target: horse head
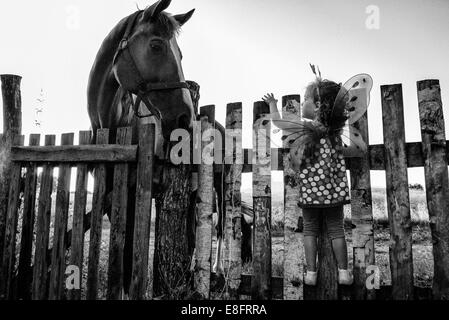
[148, 62]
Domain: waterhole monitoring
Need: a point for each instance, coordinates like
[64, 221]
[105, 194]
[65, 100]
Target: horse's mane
[167, 25]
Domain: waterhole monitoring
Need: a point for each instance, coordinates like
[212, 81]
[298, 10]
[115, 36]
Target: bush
[415, 186]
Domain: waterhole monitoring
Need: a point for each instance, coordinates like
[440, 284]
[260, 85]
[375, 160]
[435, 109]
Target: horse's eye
[156, 47]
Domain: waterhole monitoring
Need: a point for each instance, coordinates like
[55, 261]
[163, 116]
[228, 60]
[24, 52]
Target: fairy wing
[353, 143]
[283, 120]
[352, 100]
[295, 130]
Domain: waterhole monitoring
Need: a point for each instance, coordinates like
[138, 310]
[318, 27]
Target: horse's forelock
[167, 25]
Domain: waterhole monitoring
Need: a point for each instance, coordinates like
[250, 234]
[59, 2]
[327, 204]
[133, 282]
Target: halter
[144, 87]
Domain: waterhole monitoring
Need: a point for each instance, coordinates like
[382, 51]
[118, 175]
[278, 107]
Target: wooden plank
[232, 198]
[40, 267]
[118, 222]
[376, 157]
[75, 154]
[144, 194]
[401, 261]
[172, 253]
[261, 285]
[25, 271]
[56, 288]
[98, 207]
[293, 240]
[436, 176]
[413, 153]
[12, 125]
[362, 218]
[79, 210]
[12, 214]
[204, 209]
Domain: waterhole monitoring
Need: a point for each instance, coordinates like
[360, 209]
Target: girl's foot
[310, 278]
[345, 277]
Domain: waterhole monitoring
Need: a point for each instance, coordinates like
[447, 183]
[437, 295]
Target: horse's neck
[103, 88]
[101, 77]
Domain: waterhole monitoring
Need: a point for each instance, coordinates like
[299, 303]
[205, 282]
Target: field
[422, 247]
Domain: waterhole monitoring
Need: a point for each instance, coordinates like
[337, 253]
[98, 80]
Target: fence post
[98, 208]
[12, 125]
[12, 214]
[233, 172]
[203, 212]
[401, 262]
[436, 175]
[118, 221]
[261, 284]
[25, 269]
[79, 210]
[58, 263]
[144, 195]
[293, 237]
[362, 217]
[40, 267]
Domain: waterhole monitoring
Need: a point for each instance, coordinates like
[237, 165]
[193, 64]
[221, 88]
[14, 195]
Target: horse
[137, 78]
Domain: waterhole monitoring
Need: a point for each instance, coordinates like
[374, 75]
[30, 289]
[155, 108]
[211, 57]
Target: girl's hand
[269, 99]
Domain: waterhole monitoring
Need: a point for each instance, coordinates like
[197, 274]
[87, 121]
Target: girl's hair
[325, 92]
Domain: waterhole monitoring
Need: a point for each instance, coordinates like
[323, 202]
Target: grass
[422, 246]
[421, 236]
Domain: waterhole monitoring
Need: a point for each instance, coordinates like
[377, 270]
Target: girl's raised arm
[272, 103]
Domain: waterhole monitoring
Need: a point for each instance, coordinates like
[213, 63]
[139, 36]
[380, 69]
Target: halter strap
[144, 87]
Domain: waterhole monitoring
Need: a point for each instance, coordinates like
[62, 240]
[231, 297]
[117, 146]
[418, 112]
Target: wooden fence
[45, 276]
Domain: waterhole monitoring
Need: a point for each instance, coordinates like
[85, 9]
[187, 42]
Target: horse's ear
[183, 18]
[155, 9]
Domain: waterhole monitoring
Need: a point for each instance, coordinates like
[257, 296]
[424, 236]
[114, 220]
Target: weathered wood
[171, 271]
[362, 218]
[293, 240]
[25, 271]
[436, 175]
[12, 214]
[79, 210]
[12, 126]
[98, 207]
[261, 284]
[142, 222]
[401, 262]
[376, 157]
[40, 267]
[75, 154]
[194, 94]
[277, 286]
[56, 285]
[118, 221]
[205, 198]
[232, 197]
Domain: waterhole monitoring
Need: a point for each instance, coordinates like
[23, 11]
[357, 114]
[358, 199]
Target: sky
[237, 50]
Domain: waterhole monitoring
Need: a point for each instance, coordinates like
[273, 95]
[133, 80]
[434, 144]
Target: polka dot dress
[322, 181]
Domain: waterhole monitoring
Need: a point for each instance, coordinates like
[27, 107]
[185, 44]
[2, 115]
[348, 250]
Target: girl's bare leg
[341, 252]
[310, 245]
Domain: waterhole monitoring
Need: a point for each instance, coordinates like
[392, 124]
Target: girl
[319, 165]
